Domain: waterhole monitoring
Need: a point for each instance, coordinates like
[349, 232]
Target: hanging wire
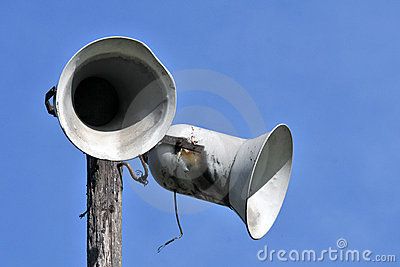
[179, 225]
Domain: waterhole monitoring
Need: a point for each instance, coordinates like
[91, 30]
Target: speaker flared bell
[251, 176]
[114, 99]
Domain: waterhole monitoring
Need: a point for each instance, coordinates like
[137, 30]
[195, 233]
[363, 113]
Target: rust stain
[190, 157]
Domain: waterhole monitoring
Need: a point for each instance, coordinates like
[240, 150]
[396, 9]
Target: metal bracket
[139, 176]
[182, 143]
[51, 93]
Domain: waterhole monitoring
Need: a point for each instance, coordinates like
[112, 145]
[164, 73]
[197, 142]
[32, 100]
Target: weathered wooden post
[104, 213]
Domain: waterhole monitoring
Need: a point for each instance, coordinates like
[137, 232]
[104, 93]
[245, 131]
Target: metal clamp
[181, 142]
[50, 108]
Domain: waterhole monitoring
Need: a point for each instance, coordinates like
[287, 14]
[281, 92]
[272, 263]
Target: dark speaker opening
[95, 101]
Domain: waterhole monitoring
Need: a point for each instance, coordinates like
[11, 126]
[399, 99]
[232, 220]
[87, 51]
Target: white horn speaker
[251, 176]
[114, 99]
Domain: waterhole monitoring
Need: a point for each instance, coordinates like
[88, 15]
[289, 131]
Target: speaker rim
[269, 134]
[93, 147]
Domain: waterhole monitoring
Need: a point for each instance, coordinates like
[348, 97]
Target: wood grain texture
[104, 206]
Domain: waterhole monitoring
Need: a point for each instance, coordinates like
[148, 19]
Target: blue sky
[328, 69]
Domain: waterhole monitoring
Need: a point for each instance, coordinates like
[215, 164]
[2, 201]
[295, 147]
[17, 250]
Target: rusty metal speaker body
[251, 176]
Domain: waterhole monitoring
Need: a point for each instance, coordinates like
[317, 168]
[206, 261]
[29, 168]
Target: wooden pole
[104, 213]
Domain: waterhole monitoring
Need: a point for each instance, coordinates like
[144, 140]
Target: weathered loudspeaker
[251, 176]
[114, 99]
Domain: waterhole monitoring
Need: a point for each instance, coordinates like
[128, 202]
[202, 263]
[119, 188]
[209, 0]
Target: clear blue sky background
[329, 69]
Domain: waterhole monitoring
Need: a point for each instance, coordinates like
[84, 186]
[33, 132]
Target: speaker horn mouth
[95, 101]
[269, 181]
[115, 100]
